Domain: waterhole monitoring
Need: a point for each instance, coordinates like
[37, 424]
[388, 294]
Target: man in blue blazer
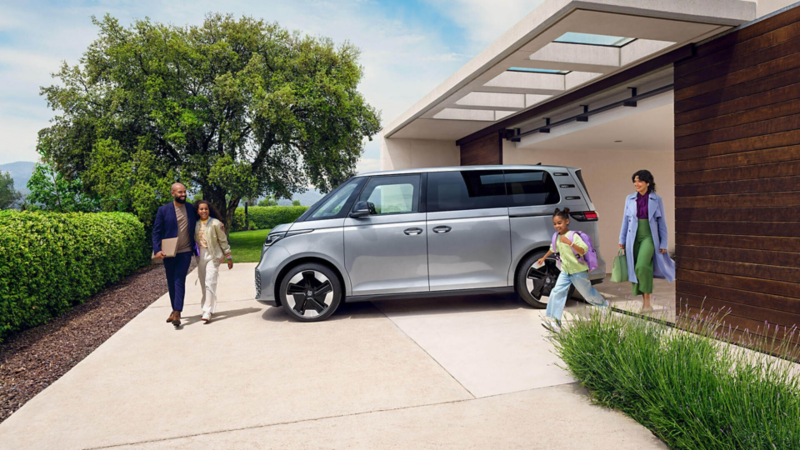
[176, 219]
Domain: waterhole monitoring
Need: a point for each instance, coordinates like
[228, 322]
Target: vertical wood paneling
[484, 151]
[737, 174]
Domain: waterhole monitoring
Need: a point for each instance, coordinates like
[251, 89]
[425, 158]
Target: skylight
[594, 39]
[525, 69]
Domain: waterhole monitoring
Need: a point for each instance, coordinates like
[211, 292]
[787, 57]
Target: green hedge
[54, 261]
[266, 217]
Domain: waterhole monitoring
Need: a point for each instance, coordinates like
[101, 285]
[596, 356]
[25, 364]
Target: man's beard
[180, 200]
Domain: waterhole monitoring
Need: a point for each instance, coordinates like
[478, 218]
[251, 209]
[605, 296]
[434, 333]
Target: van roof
[460, 168]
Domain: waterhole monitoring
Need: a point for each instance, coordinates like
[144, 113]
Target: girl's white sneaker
[551, 324]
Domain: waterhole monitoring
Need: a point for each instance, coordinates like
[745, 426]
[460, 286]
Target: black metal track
[625, 76]
[628, 102]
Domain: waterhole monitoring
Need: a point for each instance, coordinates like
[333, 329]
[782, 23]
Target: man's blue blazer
[166, 225]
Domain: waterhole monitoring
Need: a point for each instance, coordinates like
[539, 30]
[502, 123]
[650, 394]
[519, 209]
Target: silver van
[424, 232]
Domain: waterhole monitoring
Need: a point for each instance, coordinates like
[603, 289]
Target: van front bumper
[266, 273]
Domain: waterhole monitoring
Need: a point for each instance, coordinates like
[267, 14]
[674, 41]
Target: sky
[408, 46]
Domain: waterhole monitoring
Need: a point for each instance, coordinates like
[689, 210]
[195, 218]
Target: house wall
[764, 7]
[399, 154]
[737, 173]
[607, 174]
[483, 151]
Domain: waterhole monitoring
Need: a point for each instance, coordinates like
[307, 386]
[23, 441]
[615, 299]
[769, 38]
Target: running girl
[574, 271]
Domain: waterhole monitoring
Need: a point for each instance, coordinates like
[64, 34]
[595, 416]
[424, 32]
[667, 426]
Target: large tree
[232, 108]
[8, 195]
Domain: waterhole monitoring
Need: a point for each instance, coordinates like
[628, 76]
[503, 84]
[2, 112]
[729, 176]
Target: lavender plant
[690, 387]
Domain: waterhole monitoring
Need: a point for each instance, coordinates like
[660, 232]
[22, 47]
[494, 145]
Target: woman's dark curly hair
[647, 177]
[212, 211]
[563, 213]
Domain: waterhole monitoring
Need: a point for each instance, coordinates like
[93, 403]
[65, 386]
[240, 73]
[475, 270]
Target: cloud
[17, 144]
[402, 60]
[368, 165]
[484, 21]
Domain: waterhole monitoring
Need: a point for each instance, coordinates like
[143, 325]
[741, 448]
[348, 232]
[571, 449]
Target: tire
[326, 292]
[534, 285]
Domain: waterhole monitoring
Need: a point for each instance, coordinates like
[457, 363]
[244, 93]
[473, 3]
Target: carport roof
[559, 47]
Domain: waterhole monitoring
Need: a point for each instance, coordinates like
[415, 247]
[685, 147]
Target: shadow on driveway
[218, 316]
[358, 310]
[435, 304]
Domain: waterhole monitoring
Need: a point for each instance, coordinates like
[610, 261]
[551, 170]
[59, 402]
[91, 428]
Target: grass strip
[690, 388]
[246, 245]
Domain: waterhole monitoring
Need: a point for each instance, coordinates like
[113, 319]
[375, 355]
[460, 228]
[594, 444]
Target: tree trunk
[217, 198]
[230, 210]
[229, 214]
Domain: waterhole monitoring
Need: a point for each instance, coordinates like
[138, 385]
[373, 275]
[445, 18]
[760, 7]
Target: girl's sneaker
[551, 325]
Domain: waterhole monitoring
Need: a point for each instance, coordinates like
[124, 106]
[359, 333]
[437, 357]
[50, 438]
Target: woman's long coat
[663, 265]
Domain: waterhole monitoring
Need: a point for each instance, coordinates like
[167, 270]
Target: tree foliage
[8, 195]
[51, 191]
[232, 108]
[268, 201]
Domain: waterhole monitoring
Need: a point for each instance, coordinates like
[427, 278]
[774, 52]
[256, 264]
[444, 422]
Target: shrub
[53, 261]
[690, 389]
[263, 218]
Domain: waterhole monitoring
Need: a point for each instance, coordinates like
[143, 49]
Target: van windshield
[333, 203]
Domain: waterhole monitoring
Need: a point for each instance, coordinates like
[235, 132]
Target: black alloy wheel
[535, 285]
[310, 293]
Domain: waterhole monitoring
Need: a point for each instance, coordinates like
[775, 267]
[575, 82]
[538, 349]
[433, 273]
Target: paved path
[473, 372]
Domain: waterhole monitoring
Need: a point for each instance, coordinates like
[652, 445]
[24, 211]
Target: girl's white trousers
[208, 273]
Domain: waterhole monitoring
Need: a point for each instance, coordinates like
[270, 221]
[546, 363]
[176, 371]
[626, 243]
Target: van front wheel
[535, 285]
[310, 292]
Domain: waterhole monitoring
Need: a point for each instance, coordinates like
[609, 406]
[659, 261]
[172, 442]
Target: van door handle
[412, 231]
[442, 229]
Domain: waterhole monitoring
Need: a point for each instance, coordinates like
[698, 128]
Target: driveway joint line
[423, 349]
[291, 422]
[360, 413]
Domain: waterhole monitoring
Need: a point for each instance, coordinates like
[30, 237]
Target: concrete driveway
[467, 372]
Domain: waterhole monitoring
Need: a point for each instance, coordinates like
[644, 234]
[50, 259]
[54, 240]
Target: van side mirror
[361, 209]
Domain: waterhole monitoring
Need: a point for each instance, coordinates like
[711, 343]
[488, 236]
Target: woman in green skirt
[644, 238]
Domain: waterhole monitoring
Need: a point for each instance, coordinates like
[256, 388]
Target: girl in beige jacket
[214, 250]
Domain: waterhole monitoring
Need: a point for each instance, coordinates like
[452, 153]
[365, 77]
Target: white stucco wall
[607, 174]
[416, 153]
[764, 7]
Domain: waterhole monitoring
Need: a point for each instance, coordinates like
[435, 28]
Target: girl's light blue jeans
[558, 296]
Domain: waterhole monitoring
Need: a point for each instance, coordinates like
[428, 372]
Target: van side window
[531, 188]
[470, 189]
[392, 195]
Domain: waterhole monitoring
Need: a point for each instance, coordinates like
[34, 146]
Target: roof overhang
[547, 56]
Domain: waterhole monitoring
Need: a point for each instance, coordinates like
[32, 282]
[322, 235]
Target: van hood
[282, 227]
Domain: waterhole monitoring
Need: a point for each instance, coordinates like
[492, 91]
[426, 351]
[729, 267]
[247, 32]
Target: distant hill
[307, 198]
[21, 172]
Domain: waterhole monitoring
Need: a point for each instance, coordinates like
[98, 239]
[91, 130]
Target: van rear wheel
[534, 285]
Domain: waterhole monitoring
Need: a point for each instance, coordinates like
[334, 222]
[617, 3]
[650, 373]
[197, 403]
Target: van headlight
[277, 236]
[274, 237]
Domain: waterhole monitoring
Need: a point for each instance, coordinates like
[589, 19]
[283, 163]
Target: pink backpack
[590, 257]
